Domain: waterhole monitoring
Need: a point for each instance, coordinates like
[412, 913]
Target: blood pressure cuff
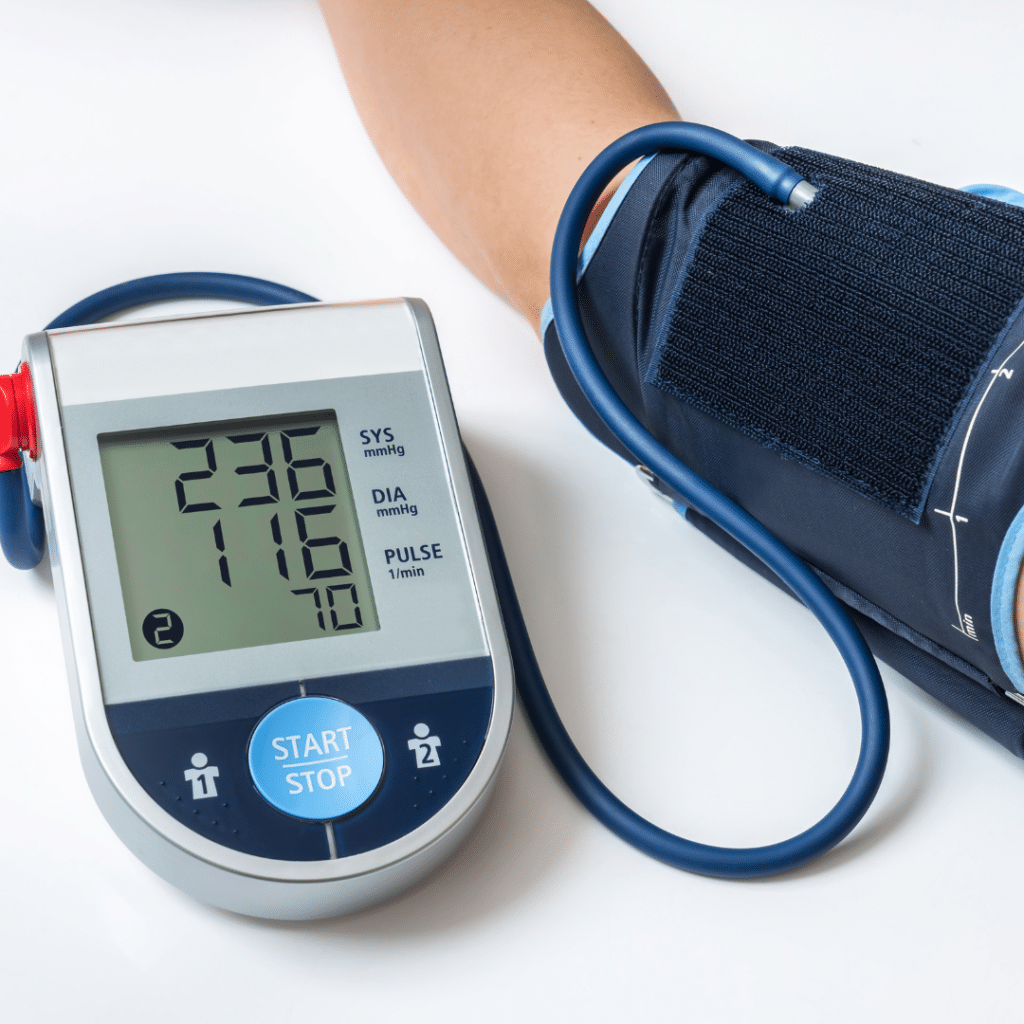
[853, 376]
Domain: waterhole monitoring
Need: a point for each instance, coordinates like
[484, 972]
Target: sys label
[380, 441]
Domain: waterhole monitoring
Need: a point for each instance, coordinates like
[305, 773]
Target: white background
[140, 138]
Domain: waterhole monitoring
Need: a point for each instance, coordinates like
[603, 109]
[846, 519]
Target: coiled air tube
[779, 182]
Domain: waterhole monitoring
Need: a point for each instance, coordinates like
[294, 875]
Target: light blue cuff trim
[1011, 553]
[1000, 192]
[1004, 592]
[597, 234]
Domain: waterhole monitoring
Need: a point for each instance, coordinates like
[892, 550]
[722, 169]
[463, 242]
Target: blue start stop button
[315, 758]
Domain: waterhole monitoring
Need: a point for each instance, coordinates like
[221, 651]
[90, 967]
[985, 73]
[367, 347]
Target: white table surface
[141, 138]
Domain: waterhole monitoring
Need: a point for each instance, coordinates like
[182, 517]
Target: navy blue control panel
[261, 769]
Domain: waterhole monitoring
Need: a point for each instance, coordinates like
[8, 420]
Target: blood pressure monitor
[291, 684]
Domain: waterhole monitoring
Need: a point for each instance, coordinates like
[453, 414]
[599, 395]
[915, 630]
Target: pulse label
[409, 554]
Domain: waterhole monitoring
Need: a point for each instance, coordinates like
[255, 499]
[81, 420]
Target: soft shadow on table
[895, 806]
[532, 823]
[42, 573]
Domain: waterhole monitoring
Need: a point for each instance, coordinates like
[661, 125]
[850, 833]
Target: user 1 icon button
[315, 758]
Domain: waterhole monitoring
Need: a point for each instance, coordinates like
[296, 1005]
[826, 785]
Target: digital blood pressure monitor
[291, 684]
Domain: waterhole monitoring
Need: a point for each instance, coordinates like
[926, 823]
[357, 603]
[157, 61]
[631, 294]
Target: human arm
[486, 111]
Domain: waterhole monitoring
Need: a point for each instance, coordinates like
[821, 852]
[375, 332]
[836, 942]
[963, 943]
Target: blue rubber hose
[165, 287]
[22, 533]
[771, 176]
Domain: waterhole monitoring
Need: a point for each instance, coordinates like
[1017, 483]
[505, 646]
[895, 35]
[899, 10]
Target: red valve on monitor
[18, 430]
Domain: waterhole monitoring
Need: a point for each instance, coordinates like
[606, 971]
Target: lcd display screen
[235, 534]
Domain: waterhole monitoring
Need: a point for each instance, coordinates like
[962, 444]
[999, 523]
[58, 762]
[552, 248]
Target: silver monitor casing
[214, 874]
